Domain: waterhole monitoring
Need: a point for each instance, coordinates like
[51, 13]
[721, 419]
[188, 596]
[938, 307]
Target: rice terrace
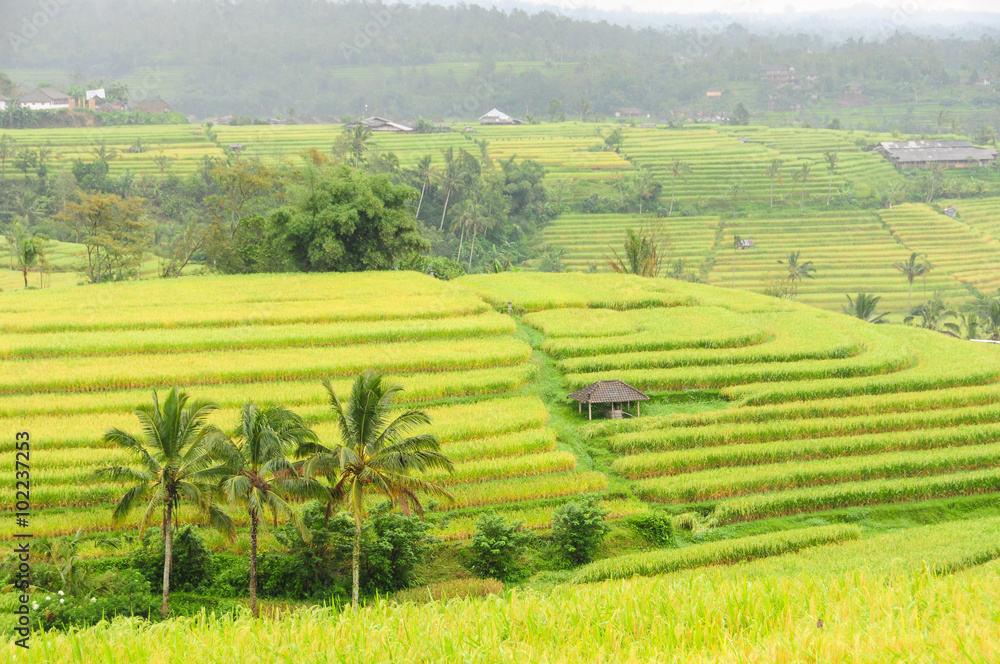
[362, 332]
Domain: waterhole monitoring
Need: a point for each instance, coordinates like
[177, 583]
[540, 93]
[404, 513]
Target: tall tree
[911, 269]
[341, 219]
[801, 175]
[30, 252]
[450, 179]
[677, 169]
[375, 452]
[7, 146]
[174, 465]
[773, 171]
[831, 165]
[424, 177]
[258, 474]
[797, 270]
[585, 106]
[114, 232]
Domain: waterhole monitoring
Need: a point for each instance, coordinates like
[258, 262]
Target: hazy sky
[769, 6]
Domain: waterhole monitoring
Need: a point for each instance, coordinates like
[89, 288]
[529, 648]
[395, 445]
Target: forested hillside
[296, 57]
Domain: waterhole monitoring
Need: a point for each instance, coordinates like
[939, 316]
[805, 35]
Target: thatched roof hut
[617, 393]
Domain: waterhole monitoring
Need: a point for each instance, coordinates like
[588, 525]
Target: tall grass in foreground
[714, 616]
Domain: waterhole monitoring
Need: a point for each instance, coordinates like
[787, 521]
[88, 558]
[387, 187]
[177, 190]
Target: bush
[118, 593]
[391, 548]
[309, 570]
[191, 569]
[496, 548]
[578, 528]
[656, 527]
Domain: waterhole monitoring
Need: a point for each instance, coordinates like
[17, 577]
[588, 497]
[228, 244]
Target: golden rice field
[807, 417]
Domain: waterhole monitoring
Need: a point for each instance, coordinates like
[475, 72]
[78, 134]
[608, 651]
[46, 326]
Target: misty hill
[261, 58]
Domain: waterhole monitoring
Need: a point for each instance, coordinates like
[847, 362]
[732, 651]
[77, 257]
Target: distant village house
[152, 106]
[376, 123]
[46, 99]
[923, 154]
[498, 117]
[713, 93]
[777, 73]
[631, 112]
[3, 102]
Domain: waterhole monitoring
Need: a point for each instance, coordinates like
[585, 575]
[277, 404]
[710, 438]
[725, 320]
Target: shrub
[578, 528]
[118, 593]
[656, 527]
[496, 548]
[191, 569]
[392, 546]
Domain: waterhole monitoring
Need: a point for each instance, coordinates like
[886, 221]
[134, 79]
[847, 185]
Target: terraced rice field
[823, 411]
[851, 251]
[969, 255]
[74, 366]
[588, 239]
[185, 146]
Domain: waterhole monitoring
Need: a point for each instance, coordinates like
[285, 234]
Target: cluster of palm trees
[270, 458]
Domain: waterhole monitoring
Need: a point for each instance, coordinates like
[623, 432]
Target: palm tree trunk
[460, 243]
[829, 191]
[356, 563]
[473, 247]
[909, 300]
[673, 188]
[253, 565]
[168, 554]
[803, 194]
[25, 270]
[421, 201]
[446, 199]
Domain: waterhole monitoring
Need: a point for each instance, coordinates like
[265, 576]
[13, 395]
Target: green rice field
[775, 433]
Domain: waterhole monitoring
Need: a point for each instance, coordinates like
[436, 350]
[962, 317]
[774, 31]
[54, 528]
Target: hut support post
[638, 408]
[579, 406]
[590, 412]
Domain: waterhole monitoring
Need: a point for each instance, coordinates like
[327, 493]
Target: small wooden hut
[616, 394]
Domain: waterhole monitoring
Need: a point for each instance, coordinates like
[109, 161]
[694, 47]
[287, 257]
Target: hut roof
[608, 391]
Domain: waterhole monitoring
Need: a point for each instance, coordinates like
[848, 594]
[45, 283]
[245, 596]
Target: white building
[45, 99]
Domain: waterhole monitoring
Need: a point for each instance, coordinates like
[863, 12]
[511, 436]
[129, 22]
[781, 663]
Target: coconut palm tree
[831, 165]
[677, 169]
[911, 269]
[932, 314]
[424, 175]
[643, 254]
[450, 179]
[864, 307]
[479, 221]
[797, 270]
[801, 175]
[773, 171]
[258, 472]
[174, 464]
[376, 452]
[30, 252]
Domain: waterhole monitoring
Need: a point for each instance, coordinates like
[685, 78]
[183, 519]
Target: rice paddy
[802, 412]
